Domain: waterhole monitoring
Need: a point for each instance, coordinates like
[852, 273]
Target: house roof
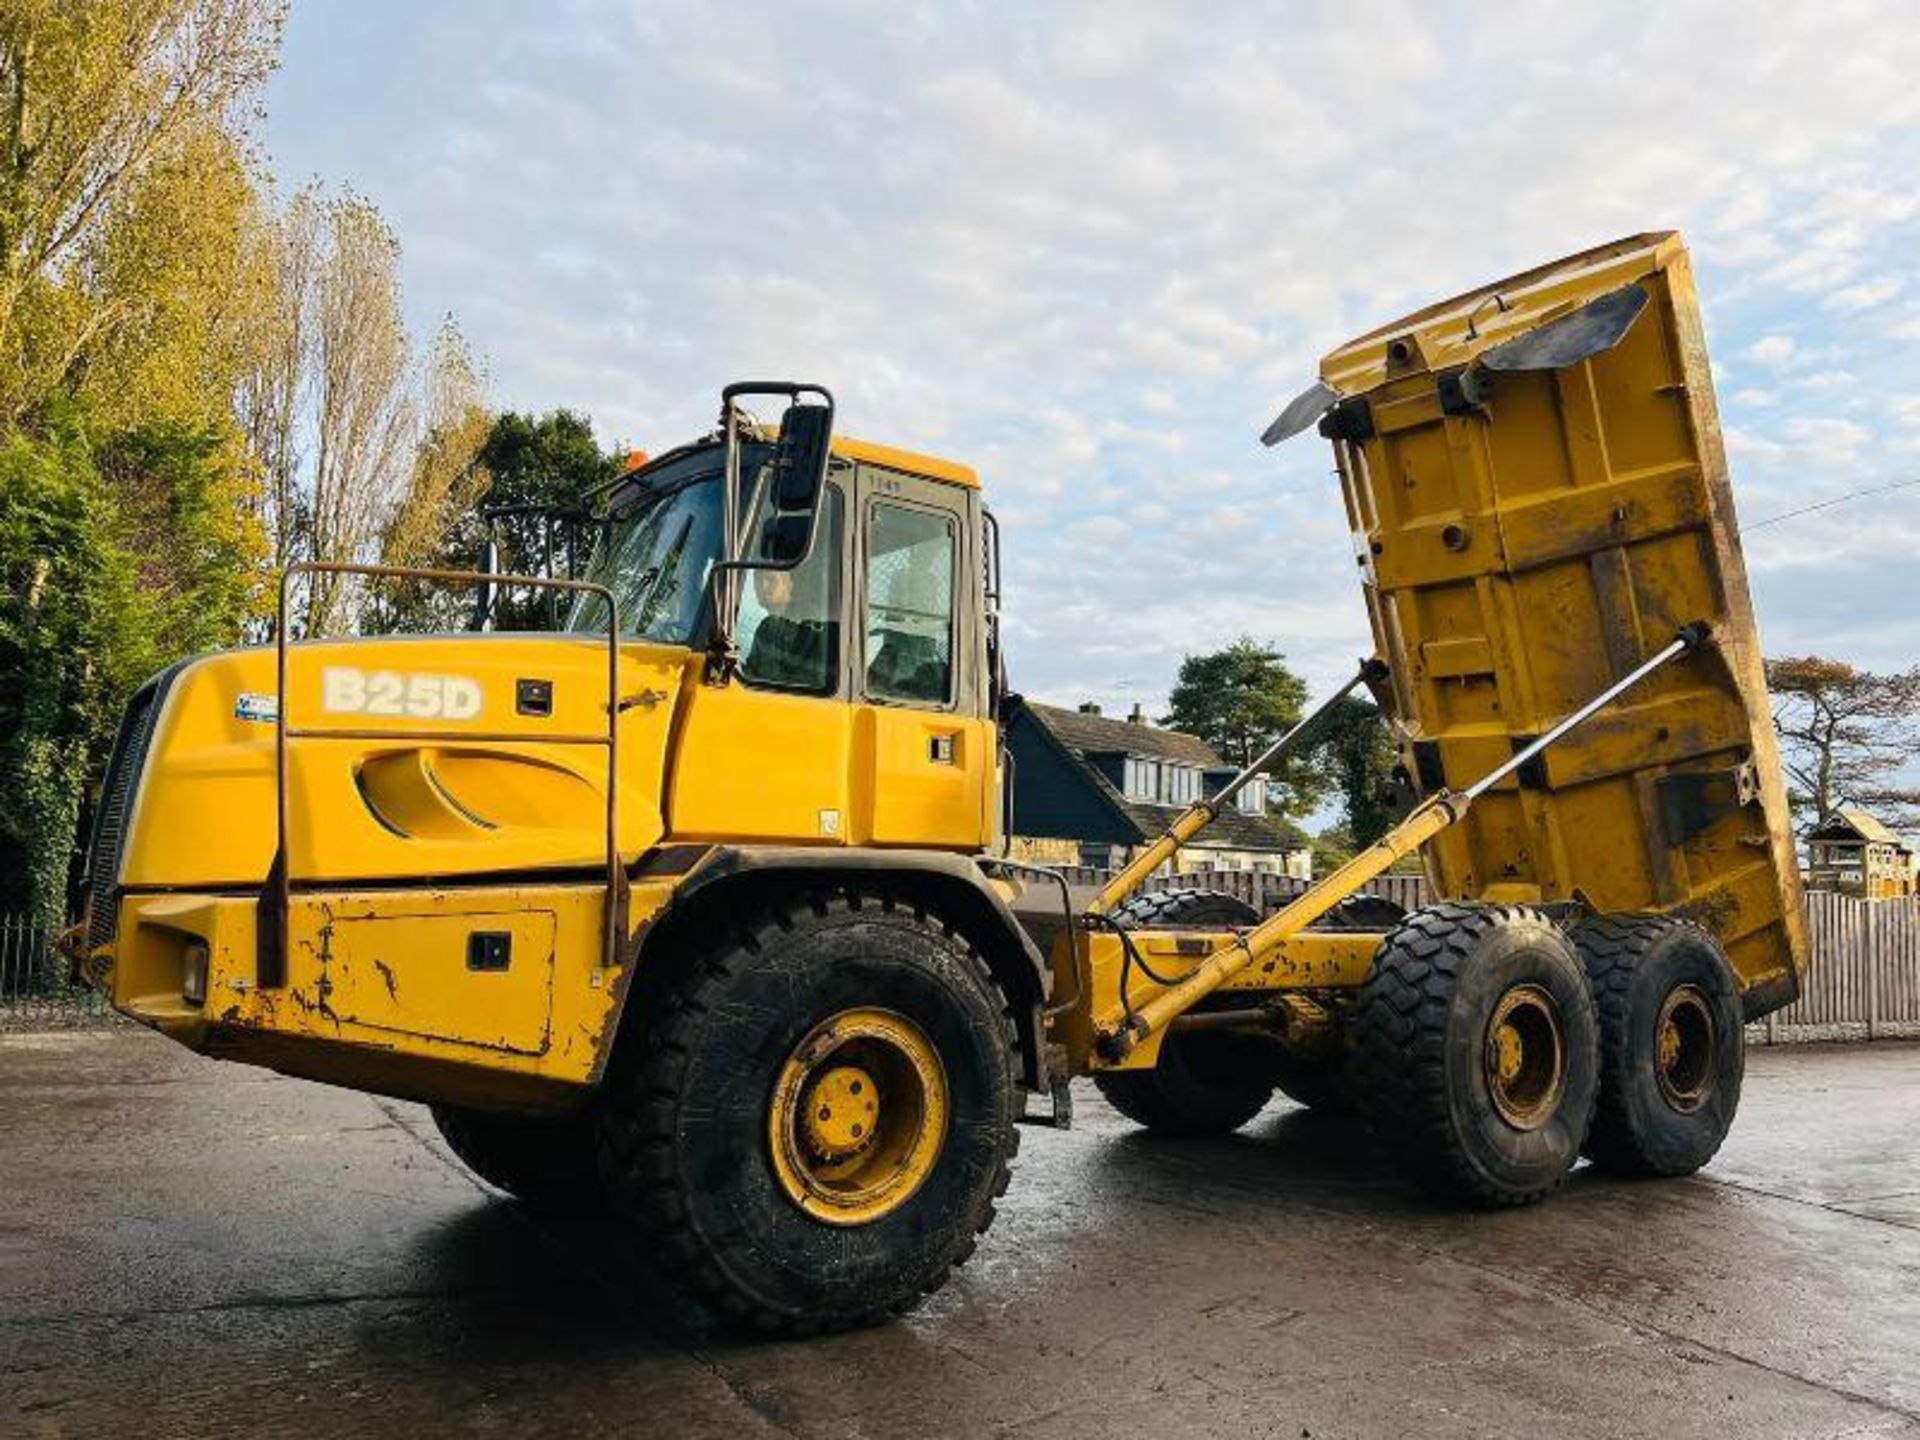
[1082, 734]
[1231, 830]
[1102, 734]
[1850, 818]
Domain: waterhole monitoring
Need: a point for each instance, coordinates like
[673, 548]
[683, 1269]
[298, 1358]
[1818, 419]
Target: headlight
[193, 977]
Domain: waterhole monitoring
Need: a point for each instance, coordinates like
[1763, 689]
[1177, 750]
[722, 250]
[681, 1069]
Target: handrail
[272, 962]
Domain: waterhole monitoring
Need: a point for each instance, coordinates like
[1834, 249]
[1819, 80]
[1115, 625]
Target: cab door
[923, 747]
[766, 757]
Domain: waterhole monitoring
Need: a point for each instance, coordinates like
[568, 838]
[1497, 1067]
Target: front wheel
[818, 1123]
[547, 1161]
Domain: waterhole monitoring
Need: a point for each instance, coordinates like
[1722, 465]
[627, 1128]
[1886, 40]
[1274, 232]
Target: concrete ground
[193, 1248]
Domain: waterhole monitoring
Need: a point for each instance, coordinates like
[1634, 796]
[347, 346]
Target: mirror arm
[723, 588]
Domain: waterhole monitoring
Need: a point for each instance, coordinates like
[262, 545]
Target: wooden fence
[1864, 983]
[1865, 979]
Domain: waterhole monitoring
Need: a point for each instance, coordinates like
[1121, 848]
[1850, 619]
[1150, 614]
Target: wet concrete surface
[194, 1248]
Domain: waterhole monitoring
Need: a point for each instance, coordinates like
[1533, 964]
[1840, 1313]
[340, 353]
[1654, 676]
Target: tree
[1846, 735]
[280, 258]
[544, 462]
[96, 98]
[71, 641]
[1239, 700]
[126, 491]
[447, 483]
[1356, 753]
[363, 408]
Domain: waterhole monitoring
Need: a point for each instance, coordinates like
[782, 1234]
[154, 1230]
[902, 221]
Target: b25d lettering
[349, 691]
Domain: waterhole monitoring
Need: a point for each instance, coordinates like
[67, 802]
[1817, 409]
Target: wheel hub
[1524, 1059]
[1685, 1042]
[858, 1116]
[839, 1112]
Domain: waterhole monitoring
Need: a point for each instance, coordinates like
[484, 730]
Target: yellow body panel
[907, 796]
[515, 797]
[380, 982]
[759, 765]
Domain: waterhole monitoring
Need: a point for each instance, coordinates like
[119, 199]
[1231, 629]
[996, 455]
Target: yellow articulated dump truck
[691, 912]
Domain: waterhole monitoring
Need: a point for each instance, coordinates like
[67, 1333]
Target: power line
[1825, 504]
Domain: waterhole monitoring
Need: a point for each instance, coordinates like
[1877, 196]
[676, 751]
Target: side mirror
[783, 539]
[800, 457]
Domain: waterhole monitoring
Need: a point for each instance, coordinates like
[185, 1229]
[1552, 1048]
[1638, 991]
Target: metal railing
[35, 991]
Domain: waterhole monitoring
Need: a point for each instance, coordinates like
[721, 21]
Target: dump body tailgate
[1533, 521]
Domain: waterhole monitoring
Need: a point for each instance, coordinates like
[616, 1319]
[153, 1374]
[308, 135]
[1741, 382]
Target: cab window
[789, 625]
[909, 613]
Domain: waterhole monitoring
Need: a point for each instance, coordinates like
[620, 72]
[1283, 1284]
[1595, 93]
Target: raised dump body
[1539, 506]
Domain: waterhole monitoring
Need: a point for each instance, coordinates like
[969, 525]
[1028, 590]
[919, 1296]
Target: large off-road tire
[1204, 909]
[816, 1126]
[1672, 1043]
[1184, 910]
[1476, 1053]
[1362, 913]
[1205, 1083]
[1317, 1084]
[547, 1161]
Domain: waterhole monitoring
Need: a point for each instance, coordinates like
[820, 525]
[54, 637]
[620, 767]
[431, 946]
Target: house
[1091, 789]
[1857, 855]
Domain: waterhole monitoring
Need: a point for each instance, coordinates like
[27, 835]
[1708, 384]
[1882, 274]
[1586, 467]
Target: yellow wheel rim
[1524, 1058]
[1684, 1045]
[859, 1116]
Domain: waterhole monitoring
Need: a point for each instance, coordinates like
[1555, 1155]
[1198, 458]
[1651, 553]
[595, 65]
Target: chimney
[1139, 716]
[1088, 707]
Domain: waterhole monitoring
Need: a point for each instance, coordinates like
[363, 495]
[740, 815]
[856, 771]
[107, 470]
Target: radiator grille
[116, 800]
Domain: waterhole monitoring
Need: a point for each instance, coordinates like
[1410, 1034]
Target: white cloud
[1864, 296]
[1772, 351]
[1837, 437]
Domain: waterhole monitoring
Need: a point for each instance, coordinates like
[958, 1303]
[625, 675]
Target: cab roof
[911, 461]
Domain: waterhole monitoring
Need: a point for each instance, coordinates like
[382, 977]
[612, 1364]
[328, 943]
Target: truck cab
[428, 865]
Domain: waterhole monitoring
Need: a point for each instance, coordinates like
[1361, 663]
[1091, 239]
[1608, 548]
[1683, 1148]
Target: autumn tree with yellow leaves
[199, 383]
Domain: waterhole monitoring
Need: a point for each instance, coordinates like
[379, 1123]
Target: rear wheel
[1476, 1053]
[819, 1121]
[1316, 1084]
[1205, 1082]
[1673, 1047]
[544, 1160]
[1184, 910]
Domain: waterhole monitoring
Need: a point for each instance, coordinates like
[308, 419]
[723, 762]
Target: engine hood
[406, 757]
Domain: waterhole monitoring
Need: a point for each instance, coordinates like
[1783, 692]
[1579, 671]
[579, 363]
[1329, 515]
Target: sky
[1091, 249]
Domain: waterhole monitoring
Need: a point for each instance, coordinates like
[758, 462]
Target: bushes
[113, 560]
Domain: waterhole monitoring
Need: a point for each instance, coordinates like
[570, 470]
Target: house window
[1143, 779]
[1183, 785]
[1253, 799]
